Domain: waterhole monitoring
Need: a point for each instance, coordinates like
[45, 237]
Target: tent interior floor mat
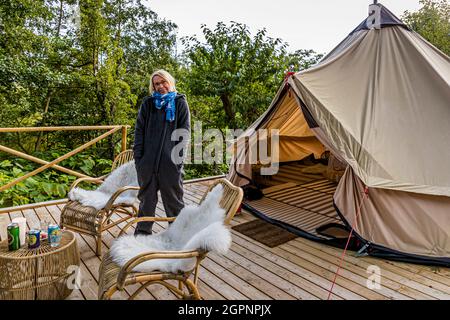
[265, 233]
[293, 172]
[305, 206]
[278, 187]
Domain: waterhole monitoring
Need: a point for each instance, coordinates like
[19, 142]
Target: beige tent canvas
[380, 102]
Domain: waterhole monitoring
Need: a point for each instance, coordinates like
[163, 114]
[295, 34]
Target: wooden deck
[298, 269]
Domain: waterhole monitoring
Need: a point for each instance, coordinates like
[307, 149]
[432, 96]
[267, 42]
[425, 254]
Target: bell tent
[380, 104]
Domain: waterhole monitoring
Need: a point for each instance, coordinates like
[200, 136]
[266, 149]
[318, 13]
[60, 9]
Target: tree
[92, 70]
[432, 22]
[232, 66]
[148, 42]
[27, 62]
[234, 76]
[302, 59]
[57, 71]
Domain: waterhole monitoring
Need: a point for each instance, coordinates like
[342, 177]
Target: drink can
[13, 237]
[54, 235]
[44, 235]
[34, 239]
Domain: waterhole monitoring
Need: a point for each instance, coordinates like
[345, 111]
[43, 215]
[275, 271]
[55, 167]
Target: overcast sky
[304, 24]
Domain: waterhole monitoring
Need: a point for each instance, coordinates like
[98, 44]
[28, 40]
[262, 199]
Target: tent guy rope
[358, 212]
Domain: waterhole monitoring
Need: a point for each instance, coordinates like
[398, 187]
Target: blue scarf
[168, 102]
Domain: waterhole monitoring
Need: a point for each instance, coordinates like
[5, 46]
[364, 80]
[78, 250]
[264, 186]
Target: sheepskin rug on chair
[123, 176]
[196, 227]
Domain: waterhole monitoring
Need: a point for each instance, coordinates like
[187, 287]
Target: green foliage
[91, 70]
[195, 171]
[234, 76]
[234, 69]
[87, 162]
[432, 22]
[50, 184]
[68, 62]
[46, 186]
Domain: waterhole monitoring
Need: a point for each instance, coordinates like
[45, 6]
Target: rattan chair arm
[134, 262]
[87, 179]
[152, 219]
[113, 198]
[103, 177]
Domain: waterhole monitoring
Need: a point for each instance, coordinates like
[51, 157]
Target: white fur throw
[196, 227]
[123, 176]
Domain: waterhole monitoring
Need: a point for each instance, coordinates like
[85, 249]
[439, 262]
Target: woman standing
[163, 112]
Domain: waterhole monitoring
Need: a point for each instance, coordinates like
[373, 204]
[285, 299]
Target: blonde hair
[166, 76]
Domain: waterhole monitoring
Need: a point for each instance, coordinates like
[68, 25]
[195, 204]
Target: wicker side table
[41, 273]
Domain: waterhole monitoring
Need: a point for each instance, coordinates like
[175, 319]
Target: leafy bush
[49, 184]
[195, 171]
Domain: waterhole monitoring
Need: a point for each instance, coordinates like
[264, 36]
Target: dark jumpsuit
[152, 153]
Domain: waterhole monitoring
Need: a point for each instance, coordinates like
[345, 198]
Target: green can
[13, 237]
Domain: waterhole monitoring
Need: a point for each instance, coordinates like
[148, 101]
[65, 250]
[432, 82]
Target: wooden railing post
[54, 164]
[124, 138]
[67, 155]
[40, 161]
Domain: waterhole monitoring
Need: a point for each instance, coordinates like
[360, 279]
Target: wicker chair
[113, 277]
[90, 221]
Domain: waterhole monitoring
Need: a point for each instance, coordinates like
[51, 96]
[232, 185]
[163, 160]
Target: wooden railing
[53, 164]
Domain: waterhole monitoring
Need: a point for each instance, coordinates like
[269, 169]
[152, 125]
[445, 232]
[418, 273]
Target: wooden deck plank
[287, 260]
[420, 291]
[251, 277]
[395, 290]
[207, 292]
[15, 214]
[88, 284]
[284, 186]
[298, 269]
[227, 291]
[439, 274]
[242, 271]
[107, 238]
[353, 281]
[409, 279]
[76, 295]
[234, 280]
[32, 218]
[92, 263]
[86, 245]
[87, 254]
[296, 265]
[326, 271]
[435, 288]
[290, 283]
